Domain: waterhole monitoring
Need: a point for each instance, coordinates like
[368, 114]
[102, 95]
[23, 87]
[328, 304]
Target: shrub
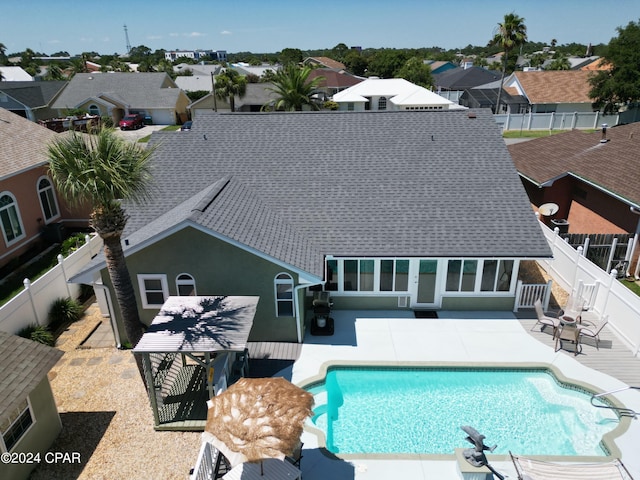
[38, 333]
[63, 312]
[71, 244]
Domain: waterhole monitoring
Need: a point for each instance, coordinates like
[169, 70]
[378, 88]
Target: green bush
[71, 244]
[63, 312]
[38, 333]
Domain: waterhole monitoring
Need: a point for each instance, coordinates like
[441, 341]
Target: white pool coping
[472, 338]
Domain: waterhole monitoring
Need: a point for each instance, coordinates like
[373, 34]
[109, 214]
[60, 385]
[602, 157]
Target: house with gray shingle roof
[30, 99]
[29, 419]
[31, 213]
[153, 95]
[399, 210]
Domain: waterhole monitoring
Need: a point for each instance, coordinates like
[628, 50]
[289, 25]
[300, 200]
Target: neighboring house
[29, 419]
[390, 94]
[595, 183]
[324, 62]
[30, 100]
[333, 81]
[553, 91]
[115, 95]
[256, 95]
[464, 78]
[596, 65]
[257, 70]
[15, 74]
[440, 66]
[486, 96]
[215, 55]
[30, 210]
[393, 210]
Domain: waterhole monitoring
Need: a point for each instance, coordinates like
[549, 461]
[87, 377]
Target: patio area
[471, 338]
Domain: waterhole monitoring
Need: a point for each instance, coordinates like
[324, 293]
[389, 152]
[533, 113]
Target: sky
[268, 26]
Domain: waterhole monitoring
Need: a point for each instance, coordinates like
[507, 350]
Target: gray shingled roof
[23, 365]
[298, 186]
[364, 184]
[32, 94]
[137, 90]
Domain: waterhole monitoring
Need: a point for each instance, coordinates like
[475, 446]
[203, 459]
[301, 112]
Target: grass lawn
[170, 128]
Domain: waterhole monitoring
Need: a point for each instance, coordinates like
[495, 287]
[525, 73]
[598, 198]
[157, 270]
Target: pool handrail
[622, 411]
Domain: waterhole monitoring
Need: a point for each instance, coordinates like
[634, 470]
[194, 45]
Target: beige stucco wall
[40, 436]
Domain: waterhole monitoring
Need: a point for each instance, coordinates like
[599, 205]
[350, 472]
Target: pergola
[186, 354]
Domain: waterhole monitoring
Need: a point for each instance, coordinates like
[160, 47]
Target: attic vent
[471, 115]
[604, 133]
[212, 194]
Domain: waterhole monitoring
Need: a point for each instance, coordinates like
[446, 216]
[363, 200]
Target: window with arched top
[382, 103]
[283, 284]
[185, 285]
[94, 109]
[12, 228]
[48, 201]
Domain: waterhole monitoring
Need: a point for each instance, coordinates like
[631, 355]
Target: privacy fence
[31, 306]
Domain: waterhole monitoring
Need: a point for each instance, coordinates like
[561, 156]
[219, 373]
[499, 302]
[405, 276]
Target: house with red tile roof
[325, 62]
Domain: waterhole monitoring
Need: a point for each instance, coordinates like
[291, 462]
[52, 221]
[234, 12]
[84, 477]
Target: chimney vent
[604, 133]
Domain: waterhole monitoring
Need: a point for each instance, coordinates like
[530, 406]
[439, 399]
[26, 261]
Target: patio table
[271, 469]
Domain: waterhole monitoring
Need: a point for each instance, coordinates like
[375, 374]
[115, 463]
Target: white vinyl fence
[31, 306]
[607, 296]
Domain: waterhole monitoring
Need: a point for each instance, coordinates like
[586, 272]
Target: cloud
[195, 34]
[225, 32]
[174, 34]
[154, 37]
[53, 42]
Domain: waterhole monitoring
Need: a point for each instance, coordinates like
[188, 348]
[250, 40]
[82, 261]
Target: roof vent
[471, 115]
[604, 138]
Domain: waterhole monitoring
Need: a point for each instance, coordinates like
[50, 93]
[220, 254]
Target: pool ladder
[622, 411]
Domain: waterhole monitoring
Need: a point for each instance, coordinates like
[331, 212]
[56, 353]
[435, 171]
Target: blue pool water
[421, 410]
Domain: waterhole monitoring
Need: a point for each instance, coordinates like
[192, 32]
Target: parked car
[131, 121]
[186, 126]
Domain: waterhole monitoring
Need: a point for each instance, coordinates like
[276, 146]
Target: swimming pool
[420, 410]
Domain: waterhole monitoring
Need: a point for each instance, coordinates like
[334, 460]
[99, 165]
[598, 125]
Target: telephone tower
[126, 35]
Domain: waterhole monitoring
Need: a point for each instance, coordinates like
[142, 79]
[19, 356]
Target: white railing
[205, 468]
[527, 294]
[607, 296]
[31, 306]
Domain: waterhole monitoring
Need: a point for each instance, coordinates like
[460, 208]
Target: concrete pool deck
[453, 338]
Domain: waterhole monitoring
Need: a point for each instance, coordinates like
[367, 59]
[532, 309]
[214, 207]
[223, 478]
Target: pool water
[421, 410]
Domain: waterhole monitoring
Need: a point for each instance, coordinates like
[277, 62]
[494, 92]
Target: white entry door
[424, 288]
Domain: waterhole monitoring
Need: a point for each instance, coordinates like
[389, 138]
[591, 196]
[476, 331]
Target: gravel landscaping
[106, 417]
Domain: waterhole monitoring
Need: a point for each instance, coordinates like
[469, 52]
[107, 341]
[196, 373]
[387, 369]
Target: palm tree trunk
[125, 295]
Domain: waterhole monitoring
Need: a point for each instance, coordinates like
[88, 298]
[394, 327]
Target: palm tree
[102, 170]
[511, 33]
[229, 84]
[294, 90]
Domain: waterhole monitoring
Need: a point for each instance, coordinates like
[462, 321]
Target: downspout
[112, 318]
[299, 308]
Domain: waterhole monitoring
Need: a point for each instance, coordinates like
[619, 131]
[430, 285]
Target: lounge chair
[529, 469]
[593, 330]
[544, 319]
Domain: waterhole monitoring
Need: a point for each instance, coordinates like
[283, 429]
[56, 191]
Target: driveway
[135, 135]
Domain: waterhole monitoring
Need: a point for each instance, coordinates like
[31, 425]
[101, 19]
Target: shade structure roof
[200, 324]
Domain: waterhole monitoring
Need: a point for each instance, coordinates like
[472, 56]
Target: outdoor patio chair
[529, 469]
[593, 330]
[544, 319]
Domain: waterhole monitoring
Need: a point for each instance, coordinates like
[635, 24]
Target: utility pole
[213, 92]
[126, 35]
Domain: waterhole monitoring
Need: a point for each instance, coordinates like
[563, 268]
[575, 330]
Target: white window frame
[183, 281]
[143, 290]
[21, 410]
[477, 289]
[14, 205]
[49, 198]
[286, 279]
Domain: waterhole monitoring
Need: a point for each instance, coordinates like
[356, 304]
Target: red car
[131, 121]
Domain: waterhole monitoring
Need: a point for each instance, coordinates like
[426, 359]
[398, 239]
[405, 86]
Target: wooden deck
[613, 358]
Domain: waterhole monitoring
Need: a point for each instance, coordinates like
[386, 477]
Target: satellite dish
[548, 209]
